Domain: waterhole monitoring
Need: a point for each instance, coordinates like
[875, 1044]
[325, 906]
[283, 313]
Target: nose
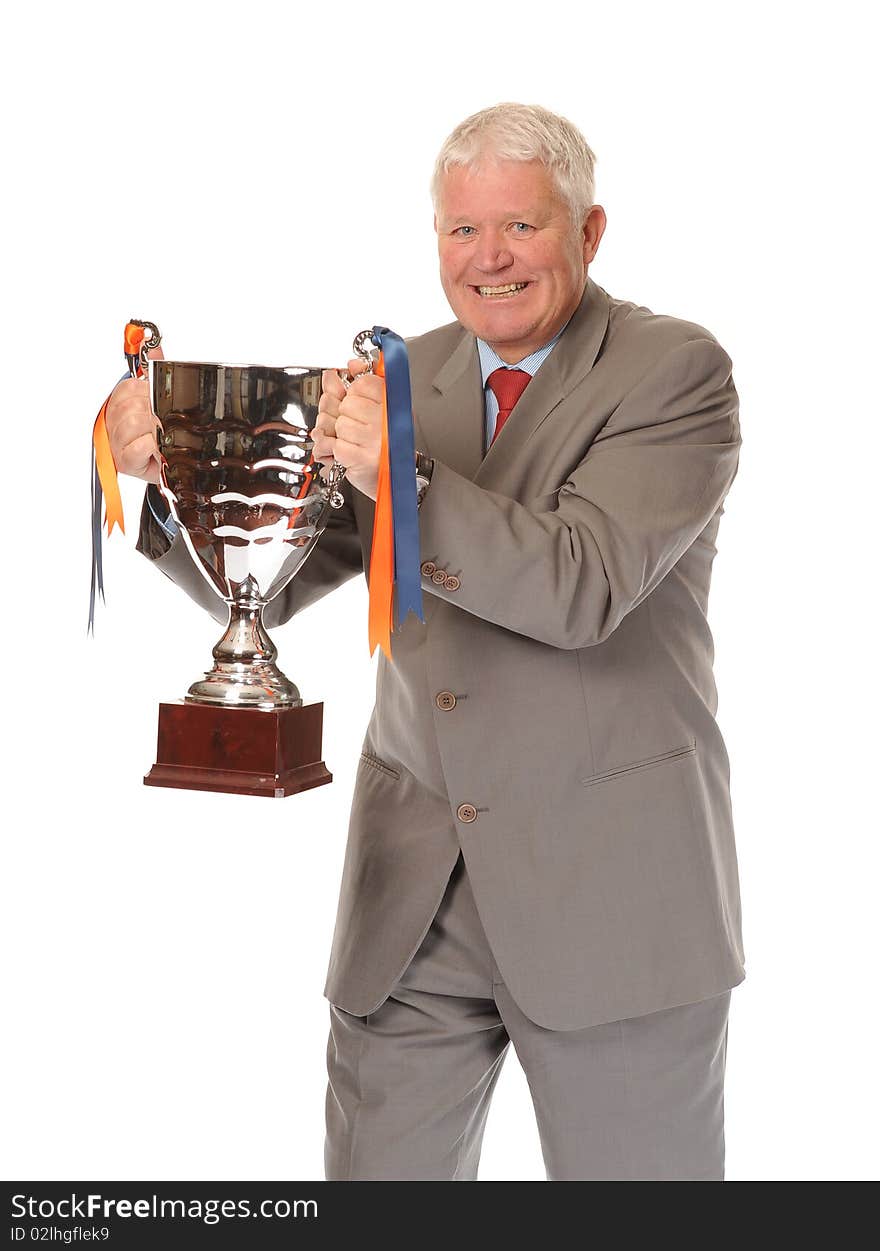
[492, 253]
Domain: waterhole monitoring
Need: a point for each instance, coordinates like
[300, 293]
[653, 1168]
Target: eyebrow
[509, 216]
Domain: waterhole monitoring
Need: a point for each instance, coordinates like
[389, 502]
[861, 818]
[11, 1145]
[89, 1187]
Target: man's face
[503, 223]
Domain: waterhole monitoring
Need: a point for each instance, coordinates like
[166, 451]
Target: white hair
[524, 132]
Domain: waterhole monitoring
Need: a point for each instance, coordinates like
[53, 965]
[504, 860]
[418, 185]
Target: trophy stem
[244, 674]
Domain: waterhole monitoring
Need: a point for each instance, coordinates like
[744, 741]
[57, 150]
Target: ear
[594, 228]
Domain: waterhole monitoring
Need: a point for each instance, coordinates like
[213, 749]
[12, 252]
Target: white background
[255, 180]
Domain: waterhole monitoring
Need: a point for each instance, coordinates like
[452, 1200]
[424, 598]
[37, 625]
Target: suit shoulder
[644, 338]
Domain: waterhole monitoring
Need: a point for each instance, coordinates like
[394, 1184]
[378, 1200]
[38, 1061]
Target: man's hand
[131, 426]
[349, 425]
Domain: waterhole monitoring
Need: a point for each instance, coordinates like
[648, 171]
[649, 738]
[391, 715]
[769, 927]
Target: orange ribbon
[104, 462]
[301, 494]
[382, 551]
[134, 337]
[107, 472]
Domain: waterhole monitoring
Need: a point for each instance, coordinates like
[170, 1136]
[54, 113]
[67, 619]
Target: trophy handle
[331, 491]
[138, 362]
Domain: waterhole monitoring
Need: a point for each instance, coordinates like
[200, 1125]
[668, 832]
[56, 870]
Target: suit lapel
[451, 418]
[569, 362]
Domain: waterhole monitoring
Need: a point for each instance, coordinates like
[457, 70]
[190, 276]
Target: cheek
[545, 263]
[558, 263]
[448, 268]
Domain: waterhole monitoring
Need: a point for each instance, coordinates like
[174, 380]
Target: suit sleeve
[651, 481]
[335, 557]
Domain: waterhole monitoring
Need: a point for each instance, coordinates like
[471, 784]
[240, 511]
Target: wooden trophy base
[241, 751]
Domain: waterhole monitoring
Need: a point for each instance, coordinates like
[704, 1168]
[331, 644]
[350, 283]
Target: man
[541, 845]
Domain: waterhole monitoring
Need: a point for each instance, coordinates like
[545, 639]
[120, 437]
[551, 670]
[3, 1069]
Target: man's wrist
[424, 470]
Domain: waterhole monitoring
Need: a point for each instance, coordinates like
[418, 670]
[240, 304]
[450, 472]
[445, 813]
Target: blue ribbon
[401, 458]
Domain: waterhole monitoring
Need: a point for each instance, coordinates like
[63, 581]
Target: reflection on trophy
[242, 485]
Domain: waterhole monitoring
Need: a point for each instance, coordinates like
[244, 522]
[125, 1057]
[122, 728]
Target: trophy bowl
[239, 477]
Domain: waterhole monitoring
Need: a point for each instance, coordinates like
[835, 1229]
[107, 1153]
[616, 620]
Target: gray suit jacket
[579, 767]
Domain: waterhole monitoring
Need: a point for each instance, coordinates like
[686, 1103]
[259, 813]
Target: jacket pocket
[622, 770]
[375, 763]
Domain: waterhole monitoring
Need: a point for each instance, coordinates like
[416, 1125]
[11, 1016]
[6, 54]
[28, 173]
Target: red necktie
[508, 385]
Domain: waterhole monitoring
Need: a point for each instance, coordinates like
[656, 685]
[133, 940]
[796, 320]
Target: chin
[504, 329]
[485, 321]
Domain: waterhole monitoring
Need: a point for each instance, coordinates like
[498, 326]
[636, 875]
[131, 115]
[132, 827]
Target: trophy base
[240, 751]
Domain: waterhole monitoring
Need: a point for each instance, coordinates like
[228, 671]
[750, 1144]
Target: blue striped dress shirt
[490, 361]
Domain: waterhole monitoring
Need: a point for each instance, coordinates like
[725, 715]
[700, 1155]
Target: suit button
[445, 700]
[467, 812]
[428, 568]
[453, 583]
[438, 576]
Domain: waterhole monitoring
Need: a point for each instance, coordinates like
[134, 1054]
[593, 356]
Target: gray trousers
[410, 1084]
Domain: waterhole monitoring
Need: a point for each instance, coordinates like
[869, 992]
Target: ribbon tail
[104, 478]
[106, 469]
[382, 552]
[97, 553]
[407, 546]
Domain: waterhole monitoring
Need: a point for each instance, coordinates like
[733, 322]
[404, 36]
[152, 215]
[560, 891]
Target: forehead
[498, 188]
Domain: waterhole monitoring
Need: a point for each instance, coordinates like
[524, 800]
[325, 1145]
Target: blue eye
[525, 227]
[459, 229]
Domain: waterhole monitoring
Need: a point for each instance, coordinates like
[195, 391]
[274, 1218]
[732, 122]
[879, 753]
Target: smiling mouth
[499, 293]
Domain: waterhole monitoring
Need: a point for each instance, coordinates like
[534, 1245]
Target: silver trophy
[241, 482]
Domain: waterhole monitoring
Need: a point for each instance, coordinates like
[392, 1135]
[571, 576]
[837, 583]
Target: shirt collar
[490, 360]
